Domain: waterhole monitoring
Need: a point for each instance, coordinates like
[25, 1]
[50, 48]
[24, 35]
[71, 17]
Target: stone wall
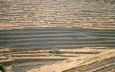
[5, 54]
[50, 13]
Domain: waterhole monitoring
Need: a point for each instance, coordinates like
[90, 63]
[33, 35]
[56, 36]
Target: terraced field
[57, 13]
[47, 38]
[32, 45]
[102, 66]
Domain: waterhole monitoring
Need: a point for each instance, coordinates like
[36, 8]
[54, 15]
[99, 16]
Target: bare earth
[75, 62]
[10, 27]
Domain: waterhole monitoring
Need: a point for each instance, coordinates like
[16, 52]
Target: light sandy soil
[74, 62]
[11, 26]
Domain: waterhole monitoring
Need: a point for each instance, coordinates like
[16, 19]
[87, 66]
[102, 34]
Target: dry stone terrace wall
[5, 55]
[4, 5]
[71, 13]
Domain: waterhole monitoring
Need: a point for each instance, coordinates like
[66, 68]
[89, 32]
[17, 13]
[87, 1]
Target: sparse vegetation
[56, 51]
[2, 68]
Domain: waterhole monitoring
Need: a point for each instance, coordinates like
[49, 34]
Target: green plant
[2, 68]
[55, 51]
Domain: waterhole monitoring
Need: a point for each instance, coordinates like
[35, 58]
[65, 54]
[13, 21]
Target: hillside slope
[97, 14]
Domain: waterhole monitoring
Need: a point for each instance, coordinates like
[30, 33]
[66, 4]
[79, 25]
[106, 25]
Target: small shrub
[55, 51]
[2, 68]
